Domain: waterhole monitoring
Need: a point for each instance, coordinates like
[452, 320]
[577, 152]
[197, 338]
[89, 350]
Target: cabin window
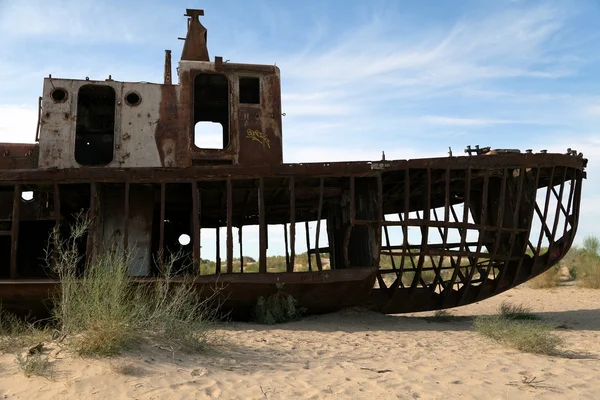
[211, 111]
[95, 131]
[250, 90]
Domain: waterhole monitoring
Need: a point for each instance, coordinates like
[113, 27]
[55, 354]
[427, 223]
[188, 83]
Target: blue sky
[358, 77]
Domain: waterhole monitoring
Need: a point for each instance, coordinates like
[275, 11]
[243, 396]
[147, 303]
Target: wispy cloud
[79, 21]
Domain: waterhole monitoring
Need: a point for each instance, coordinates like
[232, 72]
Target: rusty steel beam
[318, 233]
[14, 234]
[262, 261]
[126, 217]
[161, 240]
[292, 189]
[229, 227]
[196, 226]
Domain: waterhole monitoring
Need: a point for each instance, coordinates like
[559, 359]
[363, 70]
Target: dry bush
[35, 364]
[546, 280]
[589, 272]
[102, 311]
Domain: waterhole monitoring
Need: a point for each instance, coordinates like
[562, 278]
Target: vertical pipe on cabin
[195, 228]
[262, 261]
[14, 231]
[126, 218]
[292, 184]
[229, 227]
[167, 76]
[308, 245]
[318, 233]
[161, 240]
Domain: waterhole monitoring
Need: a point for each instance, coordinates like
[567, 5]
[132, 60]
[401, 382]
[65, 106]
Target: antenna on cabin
[194, 47]
[167, 77]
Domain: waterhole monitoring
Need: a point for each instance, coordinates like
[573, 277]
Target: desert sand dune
[350, 354]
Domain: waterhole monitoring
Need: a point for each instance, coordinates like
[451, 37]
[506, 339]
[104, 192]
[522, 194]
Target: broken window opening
[250, 90]
[95, 132]
[211, 111]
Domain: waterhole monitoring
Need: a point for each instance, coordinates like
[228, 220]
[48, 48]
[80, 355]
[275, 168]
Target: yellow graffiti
[258, 136]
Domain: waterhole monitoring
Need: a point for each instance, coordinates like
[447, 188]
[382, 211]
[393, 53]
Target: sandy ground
[351, 354]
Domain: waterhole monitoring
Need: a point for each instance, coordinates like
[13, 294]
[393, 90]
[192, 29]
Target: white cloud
[457, 121]
[17, 124]
[79, 21]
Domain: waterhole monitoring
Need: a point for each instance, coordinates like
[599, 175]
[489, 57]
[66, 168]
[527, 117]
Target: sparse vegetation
[517, 327]
[277, 308]
[547, 280]
[527, 336]
[516, 312]
[34, 364]
[442, 316]
[16, 333]
[102, 311]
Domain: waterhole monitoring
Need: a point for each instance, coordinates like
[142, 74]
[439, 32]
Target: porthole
[59, 95]
[27, 196]
[133, 99]
[184, 239]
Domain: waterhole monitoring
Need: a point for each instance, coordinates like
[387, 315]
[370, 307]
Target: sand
[350, 354]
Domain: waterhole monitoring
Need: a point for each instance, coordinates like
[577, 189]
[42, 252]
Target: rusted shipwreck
[451, 230]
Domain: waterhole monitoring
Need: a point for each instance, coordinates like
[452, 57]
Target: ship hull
[395, 236]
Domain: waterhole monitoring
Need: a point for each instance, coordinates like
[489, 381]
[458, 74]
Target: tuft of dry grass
[102, 311]
[16, 333]
[527, 336]
[442, 316]
[34, 364]
[516, 312]
[517, 327]
[126, 368]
